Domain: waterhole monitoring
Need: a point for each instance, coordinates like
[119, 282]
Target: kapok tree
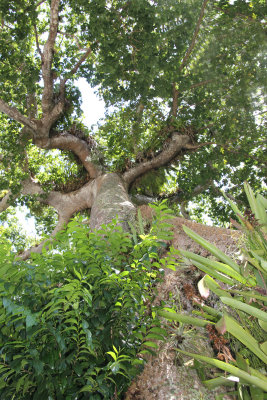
[183, 83]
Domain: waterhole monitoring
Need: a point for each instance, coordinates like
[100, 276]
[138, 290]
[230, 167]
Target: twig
[193, 147]
[192, 45]
[73, 37]
[201, 83]
[37, 42]
[39, 3]
[79, 63]
[243, 16]
[175, 94]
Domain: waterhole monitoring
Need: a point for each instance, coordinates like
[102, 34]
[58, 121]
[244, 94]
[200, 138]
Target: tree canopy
[183, 83]
[184, 86]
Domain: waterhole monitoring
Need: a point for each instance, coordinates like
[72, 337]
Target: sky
[92, 106]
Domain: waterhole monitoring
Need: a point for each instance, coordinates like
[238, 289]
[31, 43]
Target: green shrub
[74, 320]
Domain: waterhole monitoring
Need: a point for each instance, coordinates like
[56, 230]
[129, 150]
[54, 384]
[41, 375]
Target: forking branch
[15, 114]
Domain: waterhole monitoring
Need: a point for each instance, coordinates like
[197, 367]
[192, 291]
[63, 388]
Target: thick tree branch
[193, 42]
[177, 143]
[66, 141]
[14, 113]
[66, 205]
[62, 222]
[63, 203]
[50, 118]
[29, 187]
[48, 54]
[4, 202]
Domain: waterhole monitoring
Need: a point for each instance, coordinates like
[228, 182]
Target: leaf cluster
[75, 320]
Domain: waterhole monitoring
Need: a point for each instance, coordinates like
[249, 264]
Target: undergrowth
[74, 319]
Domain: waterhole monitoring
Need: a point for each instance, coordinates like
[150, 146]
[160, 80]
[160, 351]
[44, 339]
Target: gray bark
[111, 201]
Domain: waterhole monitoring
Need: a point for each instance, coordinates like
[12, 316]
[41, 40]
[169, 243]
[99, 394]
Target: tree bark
[111, 201]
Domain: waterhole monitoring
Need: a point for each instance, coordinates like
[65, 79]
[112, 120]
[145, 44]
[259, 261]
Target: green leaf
[150, 344]
[154, 336]
[71, 321]
[115, 367]
[263, 325]
[263, 347]
[221, 380]
[38, 366]
[242, 363]
[183, 318]
[87, 388]
[215, 287]
[138, 335]
[247, 378]
[213, 273]
[79, 276]
[214, 265]
[237, 212]
[253, 311]
[251, 294]
[256, 393]
[31, 320]
[113, 355]
[158, 330]
[124, 273]
[228, 324]
[257, 207]
[20, 382]
[212, 249]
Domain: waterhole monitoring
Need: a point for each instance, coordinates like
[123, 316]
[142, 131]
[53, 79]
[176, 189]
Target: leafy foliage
[142, 54]
[242, 289]
[13, 232]
[75, 319]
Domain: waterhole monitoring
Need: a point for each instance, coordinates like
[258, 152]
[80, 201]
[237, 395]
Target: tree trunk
[111, 201]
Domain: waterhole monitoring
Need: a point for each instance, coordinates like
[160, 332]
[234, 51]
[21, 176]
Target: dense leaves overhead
[192, 67]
